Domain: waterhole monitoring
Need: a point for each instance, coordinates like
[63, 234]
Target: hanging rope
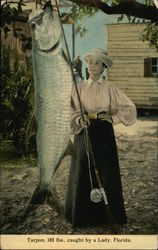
[88, 144]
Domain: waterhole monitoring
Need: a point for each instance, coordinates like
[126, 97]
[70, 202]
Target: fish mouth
[46, 30]
[56, 45]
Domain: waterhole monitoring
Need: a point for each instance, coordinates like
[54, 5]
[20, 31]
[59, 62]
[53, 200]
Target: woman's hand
[84, 123]
[105, 117]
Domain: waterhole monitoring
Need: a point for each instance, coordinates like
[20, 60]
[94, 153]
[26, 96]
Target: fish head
[46, 29]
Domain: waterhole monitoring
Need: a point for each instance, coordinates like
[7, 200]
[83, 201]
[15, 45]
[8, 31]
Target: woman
[104, 105]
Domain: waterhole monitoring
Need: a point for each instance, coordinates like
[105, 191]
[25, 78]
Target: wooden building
[135, 64]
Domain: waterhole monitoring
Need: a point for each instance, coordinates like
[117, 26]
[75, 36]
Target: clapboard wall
[128, 52]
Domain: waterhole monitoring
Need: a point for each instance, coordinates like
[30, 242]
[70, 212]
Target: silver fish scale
[53, 83]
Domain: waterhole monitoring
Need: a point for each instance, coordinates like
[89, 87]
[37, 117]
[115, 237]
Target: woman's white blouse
[98, 96]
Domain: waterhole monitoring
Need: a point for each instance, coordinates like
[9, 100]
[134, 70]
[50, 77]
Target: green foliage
[16, 98]
[129, 18]
[148, 2]
[8, 14]
[26, 42]
[150, 33]
[81, 29]
[114, 2]
[77, 13]
[80, 11]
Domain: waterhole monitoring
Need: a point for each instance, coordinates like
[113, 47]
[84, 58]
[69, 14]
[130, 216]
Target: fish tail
[39, 197]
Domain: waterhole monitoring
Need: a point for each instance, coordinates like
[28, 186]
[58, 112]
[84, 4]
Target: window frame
[148, 67]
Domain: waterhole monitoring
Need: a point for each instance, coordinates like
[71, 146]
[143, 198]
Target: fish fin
[70, 150]
[39, 197]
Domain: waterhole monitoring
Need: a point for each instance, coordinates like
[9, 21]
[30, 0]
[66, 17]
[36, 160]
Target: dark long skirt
[79, 209]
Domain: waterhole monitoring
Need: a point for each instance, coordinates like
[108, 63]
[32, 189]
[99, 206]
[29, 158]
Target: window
[155, 66]
[151, 67]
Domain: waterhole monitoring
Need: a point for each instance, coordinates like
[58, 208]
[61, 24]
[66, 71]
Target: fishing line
[67, 49]
[78, 96]
[88, 144]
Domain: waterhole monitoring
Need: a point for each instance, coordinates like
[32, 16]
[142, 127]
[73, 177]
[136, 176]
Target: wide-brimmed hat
[99, 54]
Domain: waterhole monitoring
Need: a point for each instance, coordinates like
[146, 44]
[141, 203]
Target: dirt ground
[137, 147]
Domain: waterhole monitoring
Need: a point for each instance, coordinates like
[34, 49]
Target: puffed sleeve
[123, 109]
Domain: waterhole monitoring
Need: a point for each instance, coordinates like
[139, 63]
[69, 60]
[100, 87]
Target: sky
[95, 37]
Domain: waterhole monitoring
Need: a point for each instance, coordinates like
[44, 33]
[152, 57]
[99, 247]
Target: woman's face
[95, 68]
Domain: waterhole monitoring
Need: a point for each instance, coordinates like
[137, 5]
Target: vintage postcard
[79, 124]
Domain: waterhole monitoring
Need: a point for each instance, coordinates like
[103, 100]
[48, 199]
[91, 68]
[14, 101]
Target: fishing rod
[69, 58]
[88, 144]
[101, 188]
[78, 96]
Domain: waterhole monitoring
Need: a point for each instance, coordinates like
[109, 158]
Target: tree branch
[127, 7]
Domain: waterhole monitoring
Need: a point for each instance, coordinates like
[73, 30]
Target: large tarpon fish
[53, 83]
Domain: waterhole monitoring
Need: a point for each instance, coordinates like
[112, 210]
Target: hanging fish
[53, 84]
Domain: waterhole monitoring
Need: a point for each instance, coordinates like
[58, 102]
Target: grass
[11, 159]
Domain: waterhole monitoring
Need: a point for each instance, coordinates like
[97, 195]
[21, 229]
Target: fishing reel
[95, 195]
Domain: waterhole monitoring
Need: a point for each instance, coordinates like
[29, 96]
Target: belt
[93, 115]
